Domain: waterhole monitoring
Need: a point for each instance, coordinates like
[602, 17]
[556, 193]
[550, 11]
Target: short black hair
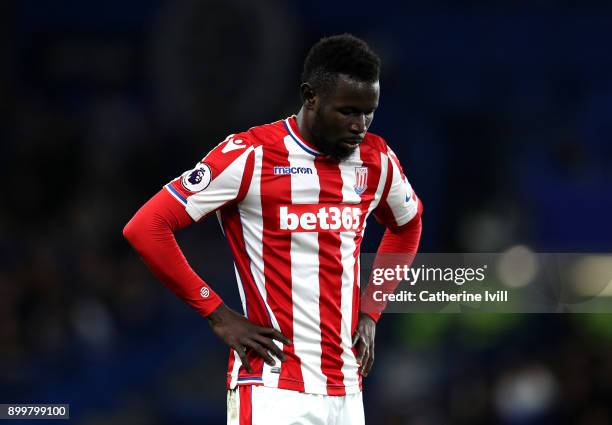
[340, 54]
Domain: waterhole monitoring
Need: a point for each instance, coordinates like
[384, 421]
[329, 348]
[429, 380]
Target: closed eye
[352, 111]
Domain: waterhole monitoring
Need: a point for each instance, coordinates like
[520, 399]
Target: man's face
[343, 115]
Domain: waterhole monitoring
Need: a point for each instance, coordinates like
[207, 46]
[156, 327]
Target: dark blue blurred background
[500, 112]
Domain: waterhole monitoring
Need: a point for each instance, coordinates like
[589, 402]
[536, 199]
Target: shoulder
[374, 148]
[234, 149]
[375, 143]
[253, 137]
[259, 135]
[267, 133]
[237, 145]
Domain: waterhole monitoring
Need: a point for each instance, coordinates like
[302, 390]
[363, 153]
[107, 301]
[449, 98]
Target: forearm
[397, 247]
[405, 240]
[151, 234]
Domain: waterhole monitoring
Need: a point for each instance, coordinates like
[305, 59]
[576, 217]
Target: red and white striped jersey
[294, 220]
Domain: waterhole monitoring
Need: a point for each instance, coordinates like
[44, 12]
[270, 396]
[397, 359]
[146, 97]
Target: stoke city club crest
[361, 179]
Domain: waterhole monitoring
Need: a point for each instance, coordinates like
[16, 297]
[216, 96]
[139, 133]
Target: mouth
[353, 142]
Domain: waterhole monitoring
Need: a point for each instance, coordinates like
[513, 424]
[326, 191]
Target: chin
[341, 154]
[336, 150]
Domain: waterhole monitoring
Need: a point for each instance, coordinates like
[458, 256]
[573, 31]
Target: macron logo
[292, 170]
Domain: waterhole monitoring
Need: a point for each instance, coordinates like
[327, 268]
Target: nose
[358, 124]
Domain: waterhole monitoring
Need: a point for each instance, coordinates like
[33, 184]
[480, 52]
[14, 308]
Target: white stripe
[234, 371]
[251, 219]
[304, 275]
[347, 249]
[237, 361]
[247, 381]
[223, 188]
[402, 211]
[241, 291]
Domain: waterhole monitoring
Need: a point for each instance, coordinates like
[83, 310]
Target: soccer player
[292, 198]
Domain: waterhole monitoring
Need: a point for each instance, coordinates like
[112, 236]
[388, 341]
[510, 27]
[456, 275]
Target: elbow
[127, 232]
[419, 208]
[131, 232]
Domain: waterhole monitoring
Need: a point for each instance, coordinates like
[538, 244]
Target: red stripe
[245, 395]
[249, 168]
[256, 310]
[371, 159]
[330, 281]
[244, 186]
[356, 300]
[276, 190]
[395, 159]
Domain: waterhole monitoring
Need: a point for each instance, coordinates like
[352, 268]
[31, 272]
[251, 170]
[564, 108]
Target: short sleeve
[220, 178]
[399, 203]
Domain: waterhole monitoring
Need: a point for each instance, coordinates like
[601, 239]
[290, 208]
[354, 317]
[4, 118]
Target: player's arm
[400, 211]
[151, 234]
[180, 203]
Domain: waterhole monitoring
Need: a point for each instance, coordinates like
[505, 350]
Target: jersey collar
[292, 129]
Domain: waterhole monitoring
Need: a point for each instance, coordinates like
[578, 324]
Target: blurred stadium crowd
[499, 111]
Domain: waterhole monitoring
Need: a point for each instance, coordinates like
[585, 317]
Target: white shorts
[259, 405]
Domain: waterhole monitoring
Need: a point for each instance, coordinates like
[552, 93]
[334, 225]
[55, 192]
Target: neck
[303, 127]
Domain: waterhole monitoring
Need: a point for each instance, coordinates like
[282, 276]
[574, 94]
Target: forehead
[350, 92]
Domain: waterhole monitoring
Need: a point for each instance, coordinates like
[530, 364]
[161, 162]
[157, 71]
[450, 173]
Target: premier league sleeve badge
[197, 179]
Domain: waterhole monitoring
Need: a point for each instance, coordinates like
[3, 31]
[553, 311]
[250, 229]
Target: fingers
[275, 334]
[261, 351]
[368, 363]
[269, 343]
[356, 336]
[368, 360]
[243, 358]
[362, 348]
[271, 346]
[365, 355]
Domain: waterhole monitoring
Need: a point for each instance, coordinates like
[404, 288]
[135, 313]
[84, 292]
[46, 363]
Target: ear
[309, 96]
